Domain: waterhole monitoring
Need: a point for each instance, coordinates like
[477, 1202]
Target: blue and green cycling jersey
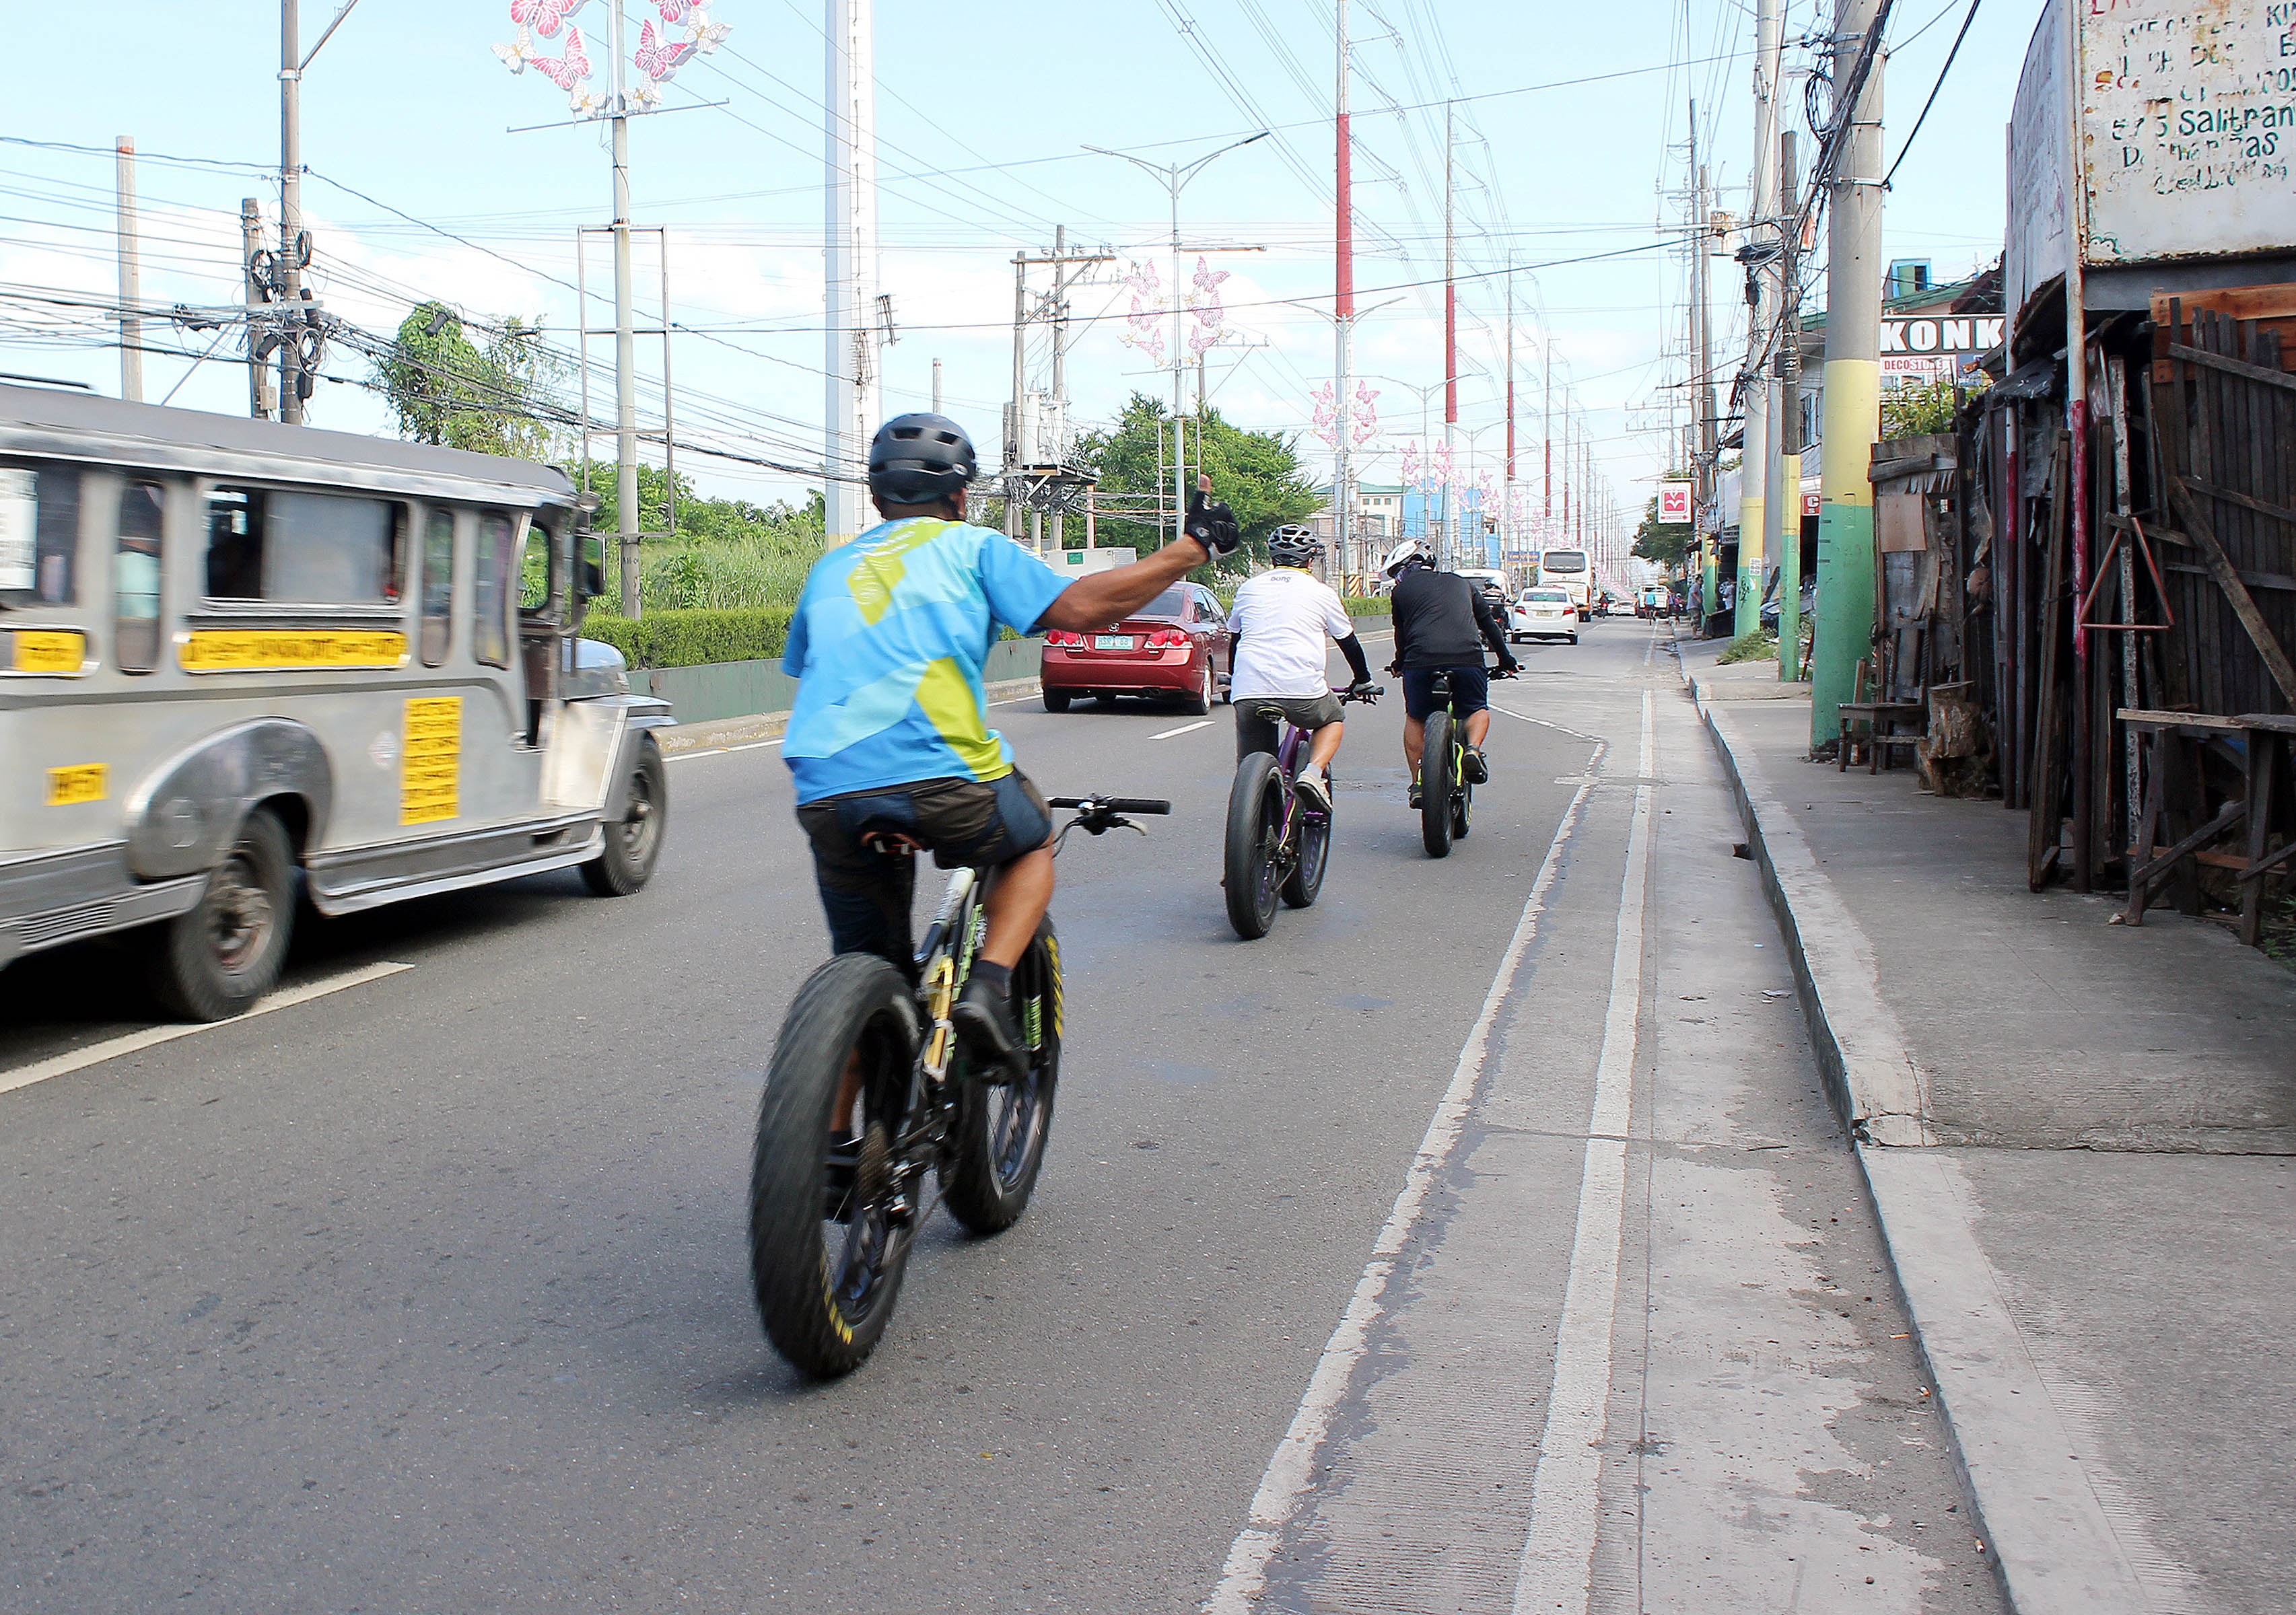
[887, 645]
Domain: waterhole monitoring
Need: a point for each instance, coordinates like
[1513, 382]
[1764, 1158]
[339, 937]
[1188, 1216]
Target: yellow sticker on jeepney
[80, 783]
[267, 650]
[48, 651]
[430, 762]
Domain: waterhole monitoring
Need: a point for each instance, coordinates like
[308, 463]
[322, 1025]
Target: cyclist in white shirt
[1283, 620]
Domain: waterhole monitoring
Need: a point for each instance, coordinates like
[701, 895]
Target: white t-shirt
[1285, 622]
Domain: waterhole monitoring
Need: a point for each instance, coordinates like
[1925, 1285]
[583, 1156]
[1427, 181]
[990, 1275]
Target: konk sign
[1950, 334]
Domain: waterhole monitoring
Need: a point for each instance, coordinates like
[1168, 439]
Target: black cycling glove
[1212, 525]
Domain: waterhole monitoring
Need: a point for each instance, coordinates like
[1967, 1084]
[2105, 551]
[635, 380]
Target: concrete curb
[2050, 1538]
[719, 732]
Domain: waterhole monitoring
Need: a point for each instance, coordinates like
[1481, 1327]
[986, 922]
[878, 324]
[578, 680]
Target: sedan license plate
[1111, 641]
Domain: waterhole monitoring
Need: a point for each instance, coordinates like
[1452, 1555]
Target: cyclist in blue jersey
[889, 741]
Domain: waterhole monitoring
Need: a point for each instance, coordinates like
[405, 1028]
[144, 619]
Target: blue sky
[1569, 123]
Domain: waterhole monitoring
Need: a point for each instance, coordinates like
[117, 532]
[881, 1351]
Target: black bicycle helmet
[1292, 544]
[918, 459]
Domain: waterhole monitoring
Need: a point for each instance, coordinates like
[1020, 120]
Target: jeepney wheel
[634, 840]
[217, 958]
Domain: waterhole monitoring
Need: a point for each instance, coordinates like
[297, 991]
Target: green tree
[1664, 542]
[1911, 412]
[1256, 472]
[445, 389]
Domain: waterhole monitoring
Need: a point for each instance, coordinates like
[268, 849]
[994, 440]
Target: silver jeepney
[230, 649]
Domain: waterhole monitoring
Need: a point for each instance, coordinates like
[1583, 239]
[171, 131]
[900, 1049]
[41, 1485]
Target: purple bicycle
[1277, 845]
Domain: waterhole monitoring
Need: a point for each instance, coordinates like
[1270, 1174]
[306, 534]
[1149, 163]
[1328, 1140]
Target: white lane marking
[721, 750]
[1201, 723]
[1290, 1473]
[112, 1048]
[1557, 1573]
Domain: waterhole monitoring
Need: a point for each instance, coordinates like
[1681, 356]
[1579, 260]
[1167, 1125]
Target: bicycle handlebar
[1097, 805]
[1367, 696]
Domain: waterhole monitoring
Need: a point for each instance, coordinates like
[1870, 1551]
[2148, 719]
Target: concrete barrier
[747, 688]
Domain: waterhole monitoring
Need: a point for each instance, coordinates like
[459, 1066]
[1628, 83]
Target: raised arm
[1098, 600]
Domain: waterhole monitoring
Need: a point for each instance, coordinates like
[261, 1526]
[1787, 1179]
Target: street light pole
[1175, 179]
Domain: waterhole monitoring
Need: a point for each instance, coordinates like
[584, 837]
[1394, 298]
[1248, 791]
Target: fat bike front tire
[829, 1237]
[1436, 787]
[1000, 1132]
[1255, 834]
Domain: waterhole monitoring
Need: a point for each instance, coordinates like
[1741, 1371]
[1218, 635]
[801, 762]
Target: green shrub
[1760, 645]
[1359, 607]
[690, 638]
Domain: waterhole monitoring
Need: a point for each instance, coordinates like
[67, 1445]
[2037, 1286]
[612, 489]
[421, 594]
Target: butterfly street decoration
[1144, 326]
[657, 56]
[1363, 419]
[1204, 305]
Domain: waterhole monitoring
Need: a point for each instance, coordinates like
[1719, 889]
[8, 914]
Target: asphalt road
[429, 1293]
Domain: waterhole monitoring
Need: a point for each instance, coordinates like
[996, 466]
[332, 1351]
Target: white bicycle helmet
[1404, 554]
[1292, 544]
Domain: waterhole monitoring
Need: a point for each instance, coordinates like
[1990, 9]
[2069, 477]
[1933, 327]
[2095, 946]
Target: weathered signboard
[1673, 502]
[2188, 123]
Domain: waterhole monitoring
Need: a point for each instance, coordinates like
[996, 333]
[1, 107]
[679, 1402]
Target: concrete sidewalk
[2077, 1138]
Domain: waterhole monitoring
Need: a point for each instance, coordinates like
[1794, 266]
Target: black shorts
[1255, 733]
[1470, 690]
[866, 894]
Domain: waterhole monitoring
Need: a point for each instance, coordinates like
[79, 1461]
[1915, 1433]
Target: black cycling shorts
[867, 895]
[1470, 690]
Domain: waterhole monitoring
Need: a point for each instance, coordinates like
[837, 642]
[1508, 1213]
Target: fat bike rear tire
[827, 1257]
[1255, 830]
[1315, 851]
[1436, 787]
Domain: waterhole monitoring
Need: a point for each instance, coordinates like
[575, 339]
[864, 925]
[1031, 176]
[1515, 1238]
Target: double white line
[1558, 1555]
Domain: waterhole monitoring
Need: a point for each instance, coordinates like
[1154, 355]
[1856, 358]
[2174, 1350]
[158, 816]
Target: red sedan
[1174, 646]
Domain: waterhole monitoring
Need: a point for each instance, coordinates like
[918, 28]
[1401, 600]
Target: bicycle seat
[888, 840]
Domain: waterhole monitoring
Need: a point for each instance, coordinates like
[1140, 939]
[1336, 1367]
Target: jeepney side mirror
[590, 575]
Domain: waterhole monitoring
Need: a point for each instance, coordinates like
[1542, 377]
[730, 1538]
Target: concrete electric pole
[1785, 503]
[131, 279]
[1853, 372]
[1754, 458]
[850, 240]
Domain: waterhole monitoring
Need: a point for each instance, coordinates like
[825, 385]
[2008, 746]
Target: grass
[1760, 645]
[743, 574]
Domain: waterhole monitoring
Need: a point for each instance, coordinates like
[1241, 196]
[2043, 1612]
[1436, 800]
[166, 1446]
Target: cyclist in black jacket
[1442, 623]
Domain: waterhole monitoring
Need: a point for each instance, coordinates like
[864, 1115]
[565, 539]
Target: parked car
[1542, 614]
[1175, 646]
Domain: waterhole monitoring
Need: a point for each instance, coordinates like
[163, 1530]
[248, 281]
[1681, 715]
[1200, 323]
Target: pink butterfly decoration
[567, 70]
[1326, 421]
[545, 17]
[676, 10]
[1366, 414]
[657, 60]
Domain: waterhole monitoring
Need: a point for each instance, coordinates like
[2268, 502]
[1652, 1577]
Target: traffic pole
[1853, 385]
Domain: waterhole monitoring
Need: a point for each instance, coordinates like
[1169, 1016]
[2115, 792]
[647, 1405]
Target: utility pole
[1853, 376]
[1343, 313]
[291, 207]
[1709, 450]
[1754, 460]
[1506, 496]
[1786, 507]
[936, 388]
[1014, 431]
[1450, 349]
[626, 350]
[131, 279]
[262, 396]
[851, 241]
[1547, 439]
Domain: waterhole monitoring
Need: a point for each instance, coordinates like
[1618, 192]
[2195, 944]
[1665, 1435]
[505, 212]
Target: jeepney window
[135, 577]
[39, 534]
[437, 585]
[309, 549]
[534, 569]
[490, 598]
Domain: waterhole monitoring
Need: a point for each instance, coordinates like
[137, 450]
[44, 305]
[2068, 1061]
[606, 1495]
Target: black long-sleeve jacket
[1442, 620]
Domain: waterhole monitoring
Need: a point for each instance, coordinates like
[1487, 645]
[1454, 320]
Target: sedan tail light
[1066, 641]
[1165, 639]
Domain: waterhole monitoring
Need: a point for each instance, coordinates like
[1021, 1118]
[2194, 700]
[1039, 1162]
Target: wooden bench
[1880, 718]
[2172, 743]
